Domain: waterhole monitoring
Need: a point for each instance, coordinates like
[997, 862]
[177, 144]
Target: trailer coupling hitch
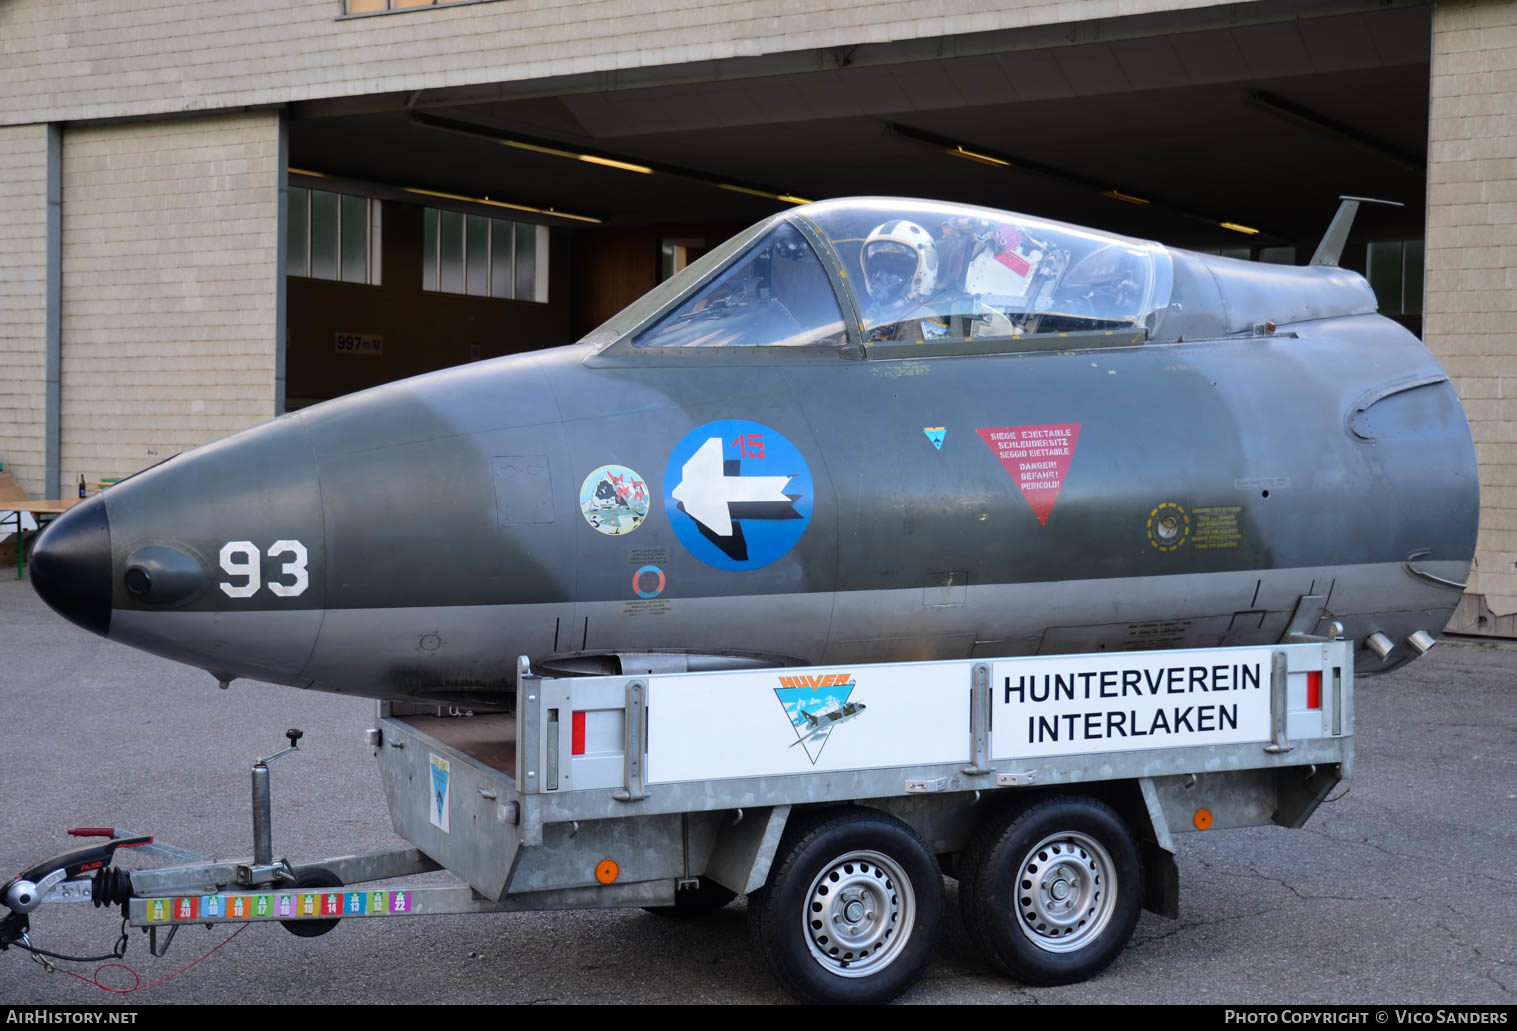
[88, 863]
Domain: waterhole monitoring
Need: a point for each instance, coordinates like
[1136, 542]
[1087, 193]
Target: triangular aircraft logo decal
[815, 705]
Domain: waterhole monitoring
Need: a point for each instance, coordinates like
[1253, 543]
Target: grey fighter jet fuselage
[862, 431]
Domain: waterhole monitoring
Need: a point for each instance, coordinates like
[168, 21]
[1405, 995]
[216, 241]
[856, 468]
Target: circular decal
[648, 582]
[738, 494]
[1168, 526]
[614, 499]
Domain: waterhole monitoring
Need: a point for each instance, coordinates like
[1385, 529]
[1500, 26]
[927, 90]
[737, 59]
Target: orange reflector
[1314, 690]
[607, 871]
[1203, 819]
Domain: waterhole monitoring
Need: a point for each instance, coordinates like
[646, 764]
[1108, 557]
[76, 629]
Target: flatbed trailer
[835, 797]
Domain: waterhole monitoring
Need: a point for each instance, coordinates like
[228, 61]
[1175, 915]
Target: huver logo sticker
[816, 705]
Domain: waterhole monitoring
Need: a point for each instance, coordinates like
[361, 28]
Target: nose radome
[71, 566]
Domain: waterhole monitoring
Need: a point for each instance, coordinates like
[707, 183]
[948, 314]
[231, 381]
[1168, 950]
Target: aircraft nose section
[71, 566]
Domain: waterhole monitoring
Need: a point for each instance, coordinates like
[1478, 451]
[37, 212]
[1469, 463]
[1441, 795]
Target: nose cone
[71, 566]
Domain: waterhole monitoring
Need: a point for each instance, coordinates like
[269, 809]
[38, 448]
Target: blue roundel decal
[738, 494]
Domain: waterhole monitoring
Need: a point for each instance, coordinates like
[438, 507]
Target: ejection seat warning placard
[771, 722]
[1036, 458]
[1121, 701]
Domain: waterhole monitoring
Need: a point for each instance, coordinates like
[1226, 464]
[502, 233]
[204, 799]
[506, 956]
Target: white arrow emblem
[706, 490]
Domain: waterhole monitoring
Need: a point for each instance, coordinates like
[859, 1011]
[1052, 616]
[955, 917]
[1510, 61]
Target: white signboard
[1124, 701]
[758, 723]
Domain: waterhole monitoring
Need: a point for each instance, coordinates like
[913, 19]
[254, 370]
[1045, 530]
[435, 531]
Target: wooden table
[48, 506]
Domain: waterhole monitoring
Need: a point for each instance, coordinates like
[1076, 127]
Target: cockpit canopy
[895, 274]
[922, 272]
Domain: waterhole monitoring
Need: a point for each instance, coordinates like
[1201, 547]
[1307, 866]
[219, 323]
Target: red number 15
[750, 445]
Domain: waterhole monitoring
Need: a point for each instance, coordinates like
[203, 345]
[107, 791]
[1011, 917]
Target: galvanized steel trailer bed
[683, 789]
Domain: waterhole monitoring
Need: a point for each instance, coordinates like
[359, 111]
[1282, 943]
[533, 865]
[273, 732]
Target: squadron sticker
[815, 705]
[438, 799]
[738, 494]
[1037, 459]
[936, 435]
[614, 500]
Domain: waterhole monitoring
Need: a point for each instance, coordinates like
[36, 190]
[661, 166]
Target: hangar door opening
[436, 228]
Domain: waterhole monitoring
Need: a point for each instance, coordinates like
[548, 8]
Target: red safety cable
[139, 986]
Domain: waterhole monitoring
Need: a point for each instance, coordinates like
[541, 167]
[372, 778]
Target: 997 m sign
[360, 343]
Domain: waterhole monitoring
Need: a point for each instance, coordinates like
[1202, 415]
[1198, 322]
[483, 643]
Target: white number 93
[241, 560]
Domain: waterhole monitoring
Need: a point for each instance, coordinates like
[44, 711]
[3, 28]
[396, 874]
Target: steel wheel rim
[859, 912]
[1066, 892]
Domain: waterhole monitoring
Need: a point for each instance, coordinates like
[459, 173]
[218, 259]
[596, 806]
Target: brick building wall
[23, 302]
[72, 59]
[170, 234]
[1471, 288]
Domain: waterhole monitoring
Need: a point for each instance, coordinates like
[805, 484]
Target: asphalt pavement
[1402, 888]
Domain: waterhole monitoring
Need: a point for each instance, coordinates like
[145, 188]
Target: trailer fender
[1161, 890]
[745, 848]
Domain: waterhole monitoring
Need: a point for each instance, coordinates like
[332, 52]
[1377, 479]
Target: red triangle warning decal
[1036, 458]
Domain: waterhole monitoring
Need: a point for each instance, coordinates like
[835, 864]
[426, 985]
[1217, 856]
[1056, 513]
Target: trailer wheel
[1053, 891]
[313, 877]
[852, 909]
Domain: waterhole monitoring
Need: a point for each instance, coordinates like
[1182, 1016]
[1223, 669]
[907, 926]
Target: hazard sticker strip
[294, 904]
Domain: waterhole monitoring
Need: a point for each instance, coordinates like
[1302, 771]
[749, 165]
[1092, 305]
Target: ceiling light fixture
[501, 204]
[788, 198]
[625, 166]
[984, 159]
[594, 159]
[547, 147]
[1018, 164]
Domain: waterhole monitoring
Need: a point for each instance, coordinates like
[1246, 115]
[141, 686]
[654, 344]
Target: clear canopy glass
[922, 272]
[776, 294]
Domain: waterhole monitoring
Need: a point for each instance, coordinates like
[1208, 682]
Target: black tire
[312, 877]
[1052, 892]
[852, 864]
[693, 903]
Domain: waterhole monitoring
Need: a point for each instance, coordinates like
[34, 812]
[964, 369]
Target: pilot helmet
[900, 263]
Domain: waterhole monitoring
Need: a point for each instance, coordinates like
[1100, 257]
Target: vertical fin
[1330, 250]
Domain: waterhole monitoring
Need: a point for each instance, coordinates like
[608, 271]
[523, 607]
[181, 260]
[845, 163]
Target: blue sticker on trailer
[738, 494]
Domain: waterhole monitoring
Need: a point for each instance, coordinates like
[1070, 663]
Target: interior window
[776, 294]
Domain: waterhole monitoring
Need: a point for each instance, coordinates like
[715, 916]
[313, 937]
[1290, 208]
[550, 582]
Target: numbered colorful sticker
[614, 500]
[739, 495]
